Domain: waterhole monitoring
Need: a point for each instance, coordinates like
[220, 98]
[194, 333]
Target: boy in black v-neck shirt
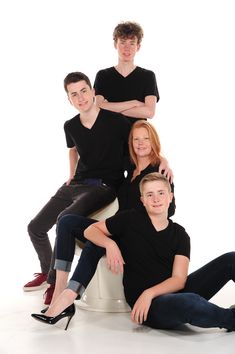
[97, 142]
[127, 88]
[153, 254]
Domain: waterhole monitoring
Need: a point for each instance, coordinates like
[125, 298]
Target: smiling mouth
[82, 104]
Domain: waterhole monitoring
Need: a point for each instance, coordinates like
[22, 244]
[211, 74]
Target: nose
[126, 45]
[80, 97]
[155, 198]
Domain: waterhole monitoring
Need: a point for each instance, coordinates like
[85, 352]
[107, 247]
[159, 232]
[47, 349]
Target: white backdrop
[188, 44]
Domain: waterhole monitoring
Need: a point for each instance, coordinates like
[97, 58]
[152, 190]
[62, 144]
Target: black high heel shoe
[46, 308]
[68, 312]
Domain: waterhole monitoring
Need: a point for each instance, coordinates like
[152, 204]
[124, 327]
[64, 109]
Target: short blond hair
[154, 176]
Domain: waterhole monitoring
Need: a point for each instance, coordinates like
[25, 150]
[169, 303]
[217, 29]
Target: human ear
[70, 100]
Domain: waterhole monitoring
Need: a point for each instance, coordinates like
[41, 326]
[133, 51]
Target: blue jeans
[70, 228]
[191, 304]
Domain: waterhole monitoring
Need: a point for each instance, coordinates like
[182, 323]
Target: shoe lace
[49, 289]
[37, 274]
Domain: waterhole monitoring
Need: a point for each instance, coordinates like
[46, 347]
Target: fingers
[139, 315]
[168, 174]
[115, 266]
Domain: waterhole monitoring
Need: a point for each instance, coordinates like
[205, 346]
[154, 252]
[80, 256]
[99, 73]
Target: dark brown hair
[128, 30]
[76, 77]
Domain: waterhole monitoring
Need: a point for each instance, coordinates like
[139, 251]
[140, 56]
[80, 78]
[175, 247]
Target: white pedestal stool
[105, 291]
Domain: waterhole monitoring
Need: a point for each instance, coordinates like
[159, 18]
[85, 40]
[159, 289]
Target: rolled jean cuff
[62, 265]
[76, 287]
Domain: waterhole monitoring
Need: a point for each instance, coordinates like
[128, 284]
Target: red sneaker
[38, 283]
[48, 294]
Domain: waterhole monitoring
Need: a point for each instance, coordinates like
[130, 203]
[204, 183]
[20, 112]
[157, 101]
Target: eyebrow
[74, 92]
[159, 190]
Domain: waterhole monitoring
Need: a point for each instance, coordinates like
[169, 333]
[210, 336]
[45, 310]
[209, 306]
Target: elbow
[87, 232]
[151, 113]
[182, 283]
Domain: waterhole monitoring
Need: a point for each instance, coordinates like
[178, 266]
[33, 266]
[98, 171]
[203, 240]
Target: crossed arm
[132, 108]
[99, 234]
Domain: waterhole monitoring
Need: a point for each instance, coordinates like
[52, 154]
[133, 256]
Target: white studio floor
[96, 332]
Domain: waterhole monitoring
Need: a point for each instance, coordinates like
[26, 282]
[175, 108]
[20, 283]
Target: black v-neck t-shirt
[148, 253]
[102, 148]
[117, 88]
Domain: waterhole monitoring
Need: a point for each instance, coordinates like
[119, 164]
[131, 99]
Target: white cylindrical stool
[105, 291]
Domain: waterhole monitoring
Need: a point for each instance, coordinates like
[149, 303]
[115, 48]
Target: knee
[65, 224]
[229, 258]
[61, 215]
[182, 302]
[32, 228]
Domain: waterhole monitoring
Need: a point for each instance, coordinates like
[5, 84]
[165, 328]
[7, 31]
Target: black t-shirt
[148, 254]
[129, 192]
[117, 88]
[102, 148]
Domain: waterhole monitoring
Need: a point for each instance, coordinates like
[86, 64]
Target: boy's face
[81, 96]
[127, 48]
[156, 198]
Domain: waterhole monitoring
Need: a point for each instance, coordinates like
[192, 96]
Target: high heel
[45, 309]
[68, 312]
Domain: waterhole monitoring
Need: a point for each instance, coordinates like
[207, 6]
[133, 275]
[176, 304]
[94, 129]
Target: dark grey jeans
[77, 198]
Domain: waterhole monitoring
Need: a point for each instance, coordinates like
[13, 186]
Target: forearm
[73, 161]
[118, 107]
[95, 235]
[142, 112]
[168, 286]
[145, 109]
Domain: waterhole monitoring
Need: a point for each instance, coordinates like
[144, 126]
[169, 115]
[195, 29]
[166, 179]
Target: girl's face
[141, 142]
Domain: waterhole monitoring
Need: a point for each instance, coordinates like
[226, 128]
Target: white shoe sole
[34, 288]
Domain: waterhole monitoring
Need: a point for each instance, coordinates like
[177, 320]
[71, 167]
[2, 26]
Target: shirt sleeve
[98, 83]
[151, 88]
[183, 246]
[116, 224]
[69, 140]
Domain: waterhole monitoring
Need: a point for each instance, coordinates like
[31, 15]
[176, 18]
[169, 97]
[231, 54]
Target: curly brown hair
[128, 30]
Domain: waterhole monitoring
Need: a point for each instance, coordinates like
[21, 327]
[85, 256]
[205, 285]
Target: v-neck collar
[93, 125]
[152, 226]
[124, 77]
